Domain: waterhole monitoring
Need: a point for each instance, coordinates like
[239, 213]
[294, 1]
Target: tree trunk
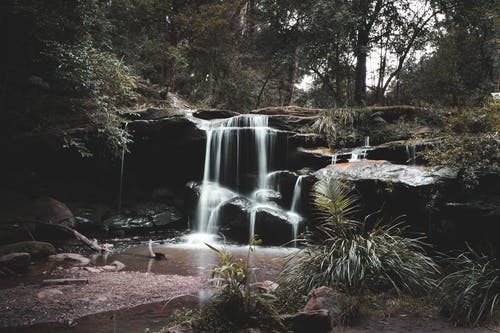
[292, 76]
[360, 73]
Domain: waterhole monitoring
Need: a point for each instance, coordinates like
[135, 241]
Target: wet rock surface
[139, 217]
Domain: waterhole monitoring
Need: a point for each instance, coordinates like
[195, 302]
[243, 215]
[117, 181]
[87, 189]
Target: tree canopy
[81, 60]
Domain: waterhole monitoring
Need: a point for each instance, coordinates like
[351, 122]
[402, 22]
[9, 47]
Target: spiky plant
[354, 259]
[470, 294]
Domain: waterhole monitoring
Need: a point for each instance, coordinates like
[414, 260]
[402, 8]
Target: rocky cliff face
[168, 150]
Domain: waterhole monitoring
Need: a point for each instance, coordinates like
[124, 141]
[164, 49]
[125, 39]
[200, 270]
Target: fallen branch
[93, 244]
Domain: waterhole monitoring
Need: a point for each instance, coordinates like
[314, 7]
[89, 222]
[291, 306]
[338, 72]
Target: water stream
[120, 193]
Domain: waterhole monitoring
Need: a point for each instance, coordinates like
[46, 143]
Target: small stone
[119, 265]
[108, 268]
[49, 293]
[93, 270]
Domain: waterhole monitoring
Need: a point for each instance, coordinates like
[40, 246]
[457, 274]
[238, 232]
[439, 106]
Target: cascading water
[120, 193]
[229, 155]
[359, 154]
[297, 191]
[334, 159]
[294, 216]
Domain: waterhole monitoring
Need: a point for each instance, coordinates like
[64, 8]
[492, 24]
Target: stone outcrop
[209, 114]
[395, 191]
[35, 249]
[271, 223]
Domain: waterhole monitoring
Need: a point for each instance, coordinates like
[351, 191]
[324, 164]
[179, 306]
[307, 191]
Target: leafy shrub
[470, 294]
[347, 127]
[470, 143]
[346, 256]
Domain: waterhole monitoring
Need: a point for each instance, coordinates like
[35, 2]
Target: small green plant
[470, 294]
[234, 304]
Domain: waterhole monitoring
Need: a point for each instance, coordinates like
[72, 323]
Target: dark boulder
[325, 298]
[317, 321]
[35, 249]
[271, 223]
[16, 261]
[49, 210]
[143, 217]
[283, 181]
[234, 216]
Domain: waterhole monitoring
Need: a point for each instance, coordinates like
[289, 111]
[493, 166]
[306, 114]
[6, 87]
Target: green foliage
[70, 80]
[346, 256]
[470, 294]
[463, 69]
[234, 304]
[347, 127]
[469, 143]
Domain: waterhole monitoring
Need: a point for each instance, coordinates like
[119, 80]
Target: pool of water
[184, 257]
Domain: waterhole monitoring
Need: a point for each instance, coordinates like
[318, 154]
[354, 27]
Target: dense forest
[68, 63]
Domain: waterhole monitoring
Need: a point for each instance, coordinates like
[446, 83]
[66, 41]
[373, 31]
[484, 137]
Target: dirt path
[31, 304]
[411, 323]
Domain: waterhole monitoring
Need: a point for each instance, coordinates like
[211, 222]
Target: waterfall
[359, 154]
[236, 147]
[334, 159]
[411, 152]
[253, 215]
[294, 216]
[297, 191]
[124, 148]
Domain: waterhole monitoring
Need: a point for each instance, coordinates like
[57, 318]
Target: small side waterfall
[334, 159]
[253, 215]
[297, 191]
[367, 141]
[411, 152]
[294, 216]
[120, 193]
[359, 154]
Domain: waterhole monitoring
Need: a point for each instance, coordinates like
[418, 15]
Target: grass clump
[470, 293]
[344, 254]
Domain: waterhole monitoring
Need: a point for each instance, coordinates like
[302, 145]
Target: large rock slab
[412, 176]
[209, 114]
[395, 190]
